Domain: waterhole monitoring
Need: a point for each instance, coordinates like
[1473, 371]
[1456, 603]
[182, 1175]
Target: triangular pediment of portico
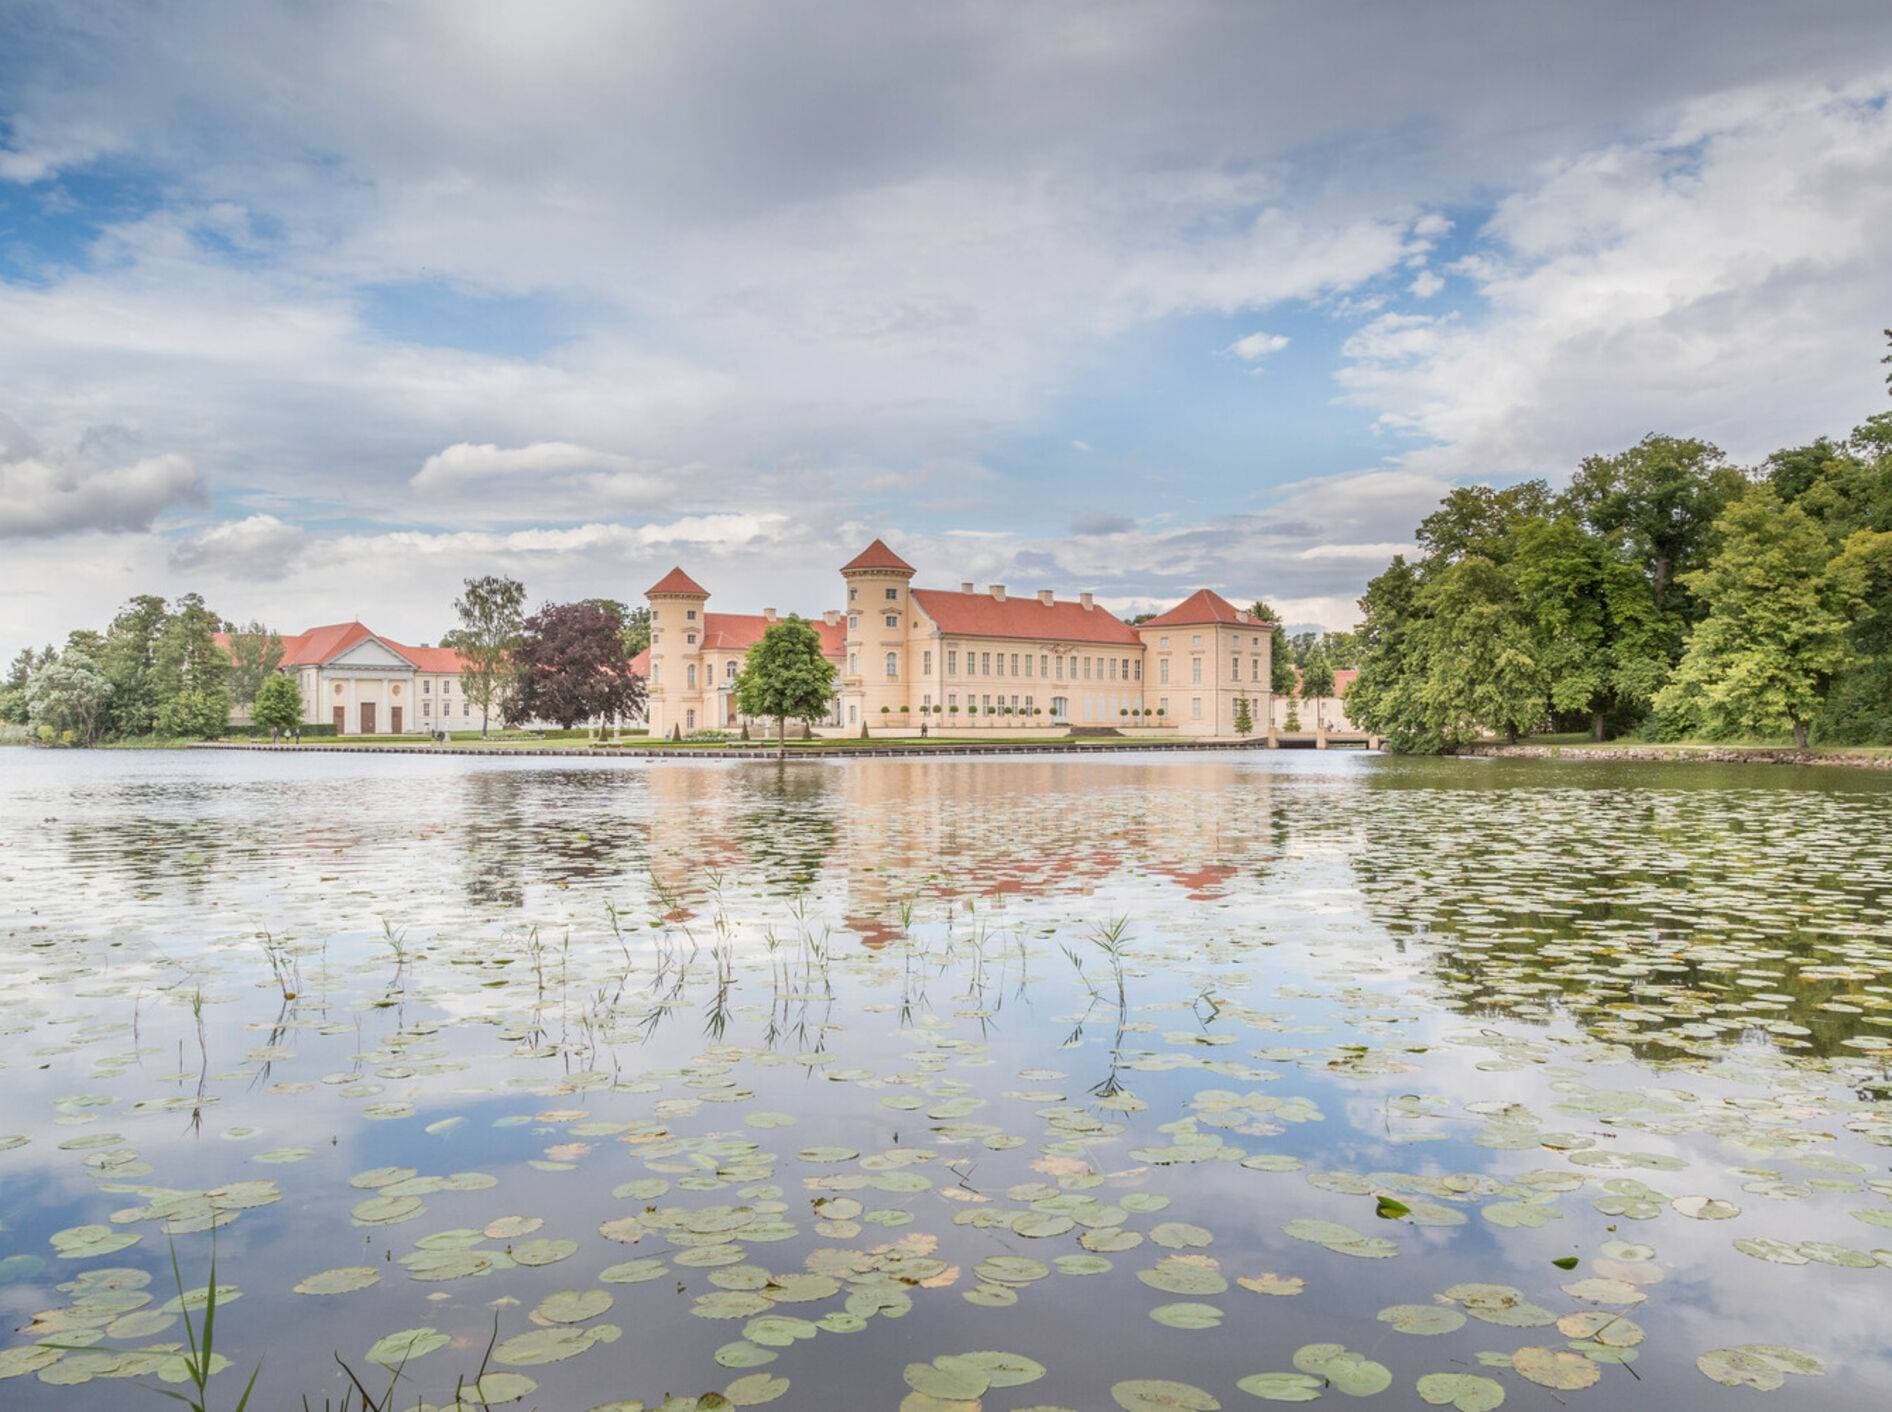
[370, 652]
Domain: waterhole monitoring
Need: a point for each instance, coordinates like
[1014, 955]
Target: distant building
[365, 684]
[1332, 710]
[963, 659]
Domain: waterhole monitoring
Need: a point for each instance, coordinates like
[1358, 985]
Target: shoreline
[756, 752]
[1855, 759]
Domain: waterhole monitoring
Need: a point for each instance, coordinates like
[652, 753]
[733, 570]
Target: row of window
[1049, 667]
[446, 707]
[1195, 670]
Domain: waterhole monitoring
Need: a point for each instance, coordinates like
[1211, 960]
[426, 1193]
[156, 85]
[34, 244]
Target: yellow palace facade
[967, 660]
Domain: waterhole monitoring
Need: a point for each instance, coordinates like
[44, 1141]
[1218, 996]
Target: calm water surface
[793, 1083]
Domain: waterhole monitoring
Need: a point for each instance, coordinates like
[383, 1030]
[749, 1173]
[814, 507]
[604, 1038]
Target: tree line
[157, 670]
[1666, 593]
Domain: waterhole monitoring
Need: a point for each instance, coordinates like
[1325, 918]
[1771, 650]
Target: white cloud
[1717, 280]
[1425, 285]
[1366, 552]
[1256, 346]
[48, 493]
[260, 548]
[466, 463]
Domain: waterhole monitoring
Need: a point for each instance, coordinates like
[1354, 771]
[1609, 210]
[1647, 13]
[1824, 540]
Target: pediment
[370, 652]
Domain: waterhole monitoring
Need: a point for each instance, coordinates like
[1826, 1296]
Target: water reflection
[832, 1037]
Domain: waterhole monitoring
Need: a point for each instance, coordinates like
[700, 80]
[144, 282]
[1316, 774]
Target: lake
[1122, 1081]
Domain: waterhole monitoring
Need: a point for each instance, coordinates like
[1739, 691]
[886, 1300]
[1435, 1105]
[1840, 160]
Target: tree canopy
[570, 666]
[785, 676]
[491, 613]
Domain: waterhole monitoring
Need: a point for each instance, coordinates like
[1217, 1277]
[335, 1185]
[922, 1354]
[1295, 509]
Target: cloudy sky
[319, 309]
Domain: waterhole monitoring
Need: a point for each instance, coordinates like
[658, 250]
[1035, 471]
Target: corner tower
[876, 672]
[676, 689]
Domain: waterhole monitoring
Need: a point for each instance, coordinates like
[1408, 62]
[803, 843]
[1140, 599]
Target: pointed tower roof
[677, 582]
[877, 556]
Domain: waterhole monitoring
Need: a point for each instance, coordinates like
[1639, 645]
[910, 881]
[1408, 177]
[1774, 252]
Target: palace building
[363, 683]
[967, 659]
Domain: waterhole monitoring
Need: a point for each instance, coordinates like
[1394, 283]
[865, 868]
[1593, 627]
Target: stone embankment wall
[1672, 754]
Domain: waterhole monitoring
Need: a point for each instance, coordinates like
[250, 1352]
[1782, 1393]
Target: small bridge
[1322, 740]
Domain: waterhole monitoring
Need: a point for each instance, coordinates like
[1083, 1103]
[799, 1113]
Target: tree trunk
[781, 743]
[1659, 581]
[1799, 735]
[1596, 725]
[1510, 734]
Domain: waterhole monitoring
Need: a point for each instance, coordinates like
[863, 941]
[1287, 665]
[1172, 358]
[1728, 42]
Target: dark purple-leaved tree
[569, 666]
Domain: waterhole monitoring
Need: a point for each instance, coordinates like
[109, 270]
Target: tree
[1244, 722]
[69, 694]
[13, 709]
[1281, 677]
[278, 704]
[1657, 502]
[490, 612]
[255, 653]
[130, 664]
[190, 673]
[1317, 681]
[1775, 632]
[570, 666]
[785, 675]
[636, 621]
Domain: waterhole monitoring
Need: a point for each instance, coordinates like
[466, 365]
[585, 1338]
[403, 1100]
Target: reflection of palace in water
[898, 831]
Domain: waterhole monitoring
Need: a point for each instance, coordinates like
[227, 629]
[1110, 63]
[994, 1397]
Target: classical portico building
[965, 659]
[363, 683]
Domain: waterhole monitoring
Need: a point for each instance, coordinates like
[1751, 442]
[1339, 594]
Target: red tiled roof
[1205, 605]
[321, 645]
[877, 556]
[738, 632]
[640, 664]
[981, 615]
[676, 581]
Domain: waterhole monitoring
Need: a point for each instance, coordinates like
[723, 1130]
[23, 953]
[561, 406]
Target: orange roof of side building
[738, 632]
[1205, 605]
[877, 556]
[319, 646]
[982, 615]
[676, 581]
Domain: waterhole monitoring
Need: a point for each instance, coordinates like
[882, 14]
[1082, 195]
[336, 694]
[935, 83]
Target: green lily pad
[345, 1280]
[1186, 1315]
[1468, 1392]
[1422, 1318]
[1161, 1395]
[1283, 1387]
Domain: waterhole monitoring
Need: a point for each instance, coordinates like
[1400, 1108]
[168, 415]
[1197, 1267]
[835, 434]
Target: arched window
[893, 666]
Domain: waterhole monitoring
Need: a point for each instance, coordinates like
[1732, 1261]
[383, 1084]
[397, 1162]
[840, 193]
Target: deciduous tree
[491, 613]
[255, 653]
[1775, 630]
[785, 676]
[69, 694]
[570, 666]
[190, 673]
[278, 704]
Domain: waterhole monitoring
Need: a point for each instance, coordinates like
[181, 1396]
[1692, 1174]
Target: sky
[319, 309]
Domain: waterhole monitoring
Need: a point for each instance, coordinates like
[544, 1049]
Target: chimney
[1085, 599]
[831, 616]
[1044, 596]
[966, 587]
[998, 592]
[768, 615]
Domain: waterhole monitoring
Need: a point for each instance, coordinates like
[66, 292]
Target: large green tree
[130, 663]
[1656, 503]
[70, 698]
[785, 676]
[1775, 630]
[491, 610]
[278, 705]
[255, 653]
[190, 673]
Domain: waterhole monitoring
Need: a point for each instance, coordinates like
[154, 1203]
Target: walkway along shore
[1686, 754]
